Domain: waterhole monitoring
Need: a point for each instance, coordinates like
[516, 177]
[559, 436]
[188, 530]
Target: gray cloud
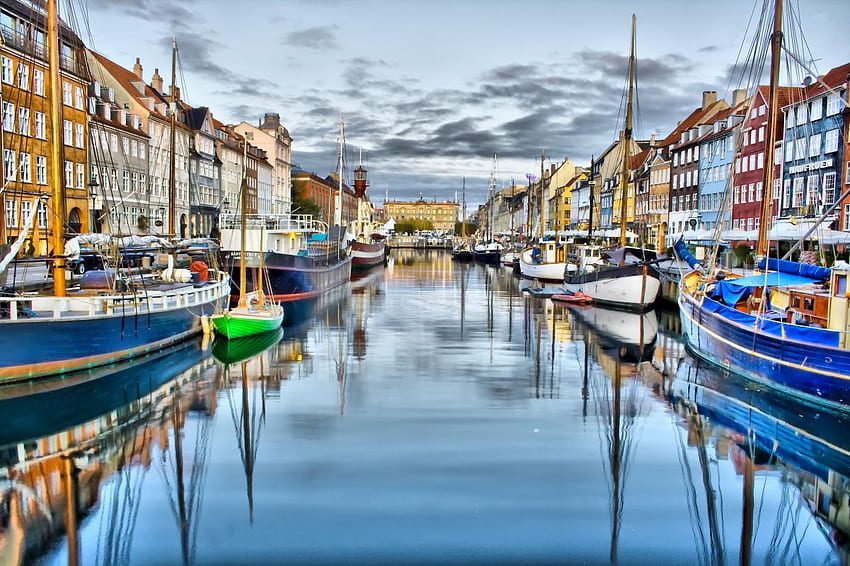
[173, 12]
[318, 38]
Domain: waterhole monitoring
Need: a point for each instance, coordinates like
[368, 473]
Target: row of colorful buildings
[678, 185]
[117, 133]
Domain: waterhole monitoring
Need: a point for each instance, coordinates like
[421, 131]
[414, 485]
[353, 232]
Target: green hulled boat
[253, 318]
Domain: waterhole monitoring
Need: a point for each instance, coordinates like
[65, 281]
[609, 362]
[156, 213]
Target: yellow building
[27, 161]
[442, 215]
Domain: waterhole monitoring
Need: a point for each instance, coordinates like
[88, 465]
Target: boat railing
[275, 222]
[75, 306]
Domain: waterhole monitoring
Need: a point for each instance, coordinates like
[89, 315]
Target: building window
[113, 146]
[761, 134]
[798, 191]
[26, 209]
[69, 174]
[11, 213]
[830, 141]
[41, 170]
[812, 189]
[786, 197]
[829, 188]
[78, 98]
[69, 132]
[40, 126]
[81, 175]
[42, 214]
[817, 109]
[9, 165]
[802, 114]
[81, 143]
[789, 151]
[833, 104]
[67, 98]
[126, 182]
[23, 76]
[38, 82]
[814, 145]
[25, 168]
[7, 70]
[8, 117]
[125, 144]
[24, 121]
[801, 150]
[846, 217]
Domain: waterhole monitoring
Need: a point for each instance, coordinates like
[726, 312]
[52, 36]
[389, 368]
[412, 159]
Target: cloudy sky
[432, 89]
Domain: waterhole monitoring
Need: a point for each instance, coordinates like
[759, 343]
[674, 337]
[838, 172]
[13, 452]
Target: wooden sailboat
[489, 251]
[627, 277]
[787, 325]
[462, 251]
[545, 260]
[255, 313]
[63, 328]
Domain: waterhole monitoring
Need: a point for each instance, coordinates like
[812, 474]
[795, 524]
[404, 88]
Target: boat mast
[627, 139]
[463, 222]
[172, 193]
[489, 235]
[338, 208]
[57, 211]
[243, 219]
[773, 115]
[541, 209]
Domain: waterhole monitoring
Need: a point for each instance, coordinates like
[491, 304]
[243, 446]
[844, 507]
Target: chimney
[739, 95]
[709, 97]
[137, 69]
[156, 81]
[652, 141]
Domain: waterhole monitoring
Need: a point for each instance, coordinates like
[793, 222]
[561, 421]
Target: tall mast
[489, 235]
[773, 107]
[243, 220]
[172, 184]
[627, 139]
[57, 214]
[541, 206]
[463, 222]
[338, 207]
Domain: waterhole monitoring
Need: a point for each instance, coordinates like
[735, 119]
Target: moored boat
[786, 326]
[112, 315]
[545, 261]
[365, 255]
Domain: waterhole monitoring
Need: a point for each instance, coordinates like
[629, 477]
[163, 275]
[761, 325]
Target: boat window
[809, 303]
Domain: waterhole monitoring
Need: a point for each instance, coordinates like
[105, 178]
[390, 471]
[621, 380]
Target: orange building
[27, 161]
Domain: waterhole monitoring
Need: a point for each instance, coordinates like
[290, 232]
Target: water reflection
[430, 411]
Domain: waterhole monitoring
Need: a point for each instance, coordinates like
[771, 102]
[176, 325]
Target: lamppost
[93, 185]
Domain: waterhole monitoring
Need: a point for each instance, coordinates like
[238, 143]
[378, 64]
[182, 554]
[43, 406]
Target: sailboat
[369, 248]
[108, 317]
[304, 258]
[546, 260]
[255, 313]
[462, 251]
[489, 251]
[626, 277]
[787, 325]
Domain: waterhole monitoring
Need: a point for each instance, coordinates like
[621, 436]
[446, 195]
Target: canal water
[429, 413]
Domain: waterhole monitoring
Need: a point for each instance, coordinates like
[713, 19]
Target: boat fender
[182, 275]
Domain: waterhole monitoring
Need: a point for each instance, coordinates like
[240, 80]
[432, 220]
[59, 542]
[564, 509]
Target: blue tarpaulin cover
[796, 268]
[730, 291]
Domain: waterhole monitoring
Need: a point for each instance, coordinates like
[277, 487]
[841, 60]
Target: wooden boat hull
[764, 352]
[368, 255]
[577, 299]
[544, 271]
[115, 328]
[634, 287]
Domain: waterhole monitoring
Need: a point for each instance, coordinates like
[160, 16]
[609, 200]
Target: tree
[470, 228]
[302, 204]
[411, 225]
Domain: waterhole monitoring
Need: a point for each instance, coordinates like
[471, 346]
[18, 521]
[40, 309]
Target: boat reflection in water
[61, 440]
[768, 435]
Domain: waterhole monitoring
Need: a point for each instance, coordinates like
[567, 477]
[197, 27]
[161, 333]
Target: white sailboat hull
[546, 271]
[635, 291]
